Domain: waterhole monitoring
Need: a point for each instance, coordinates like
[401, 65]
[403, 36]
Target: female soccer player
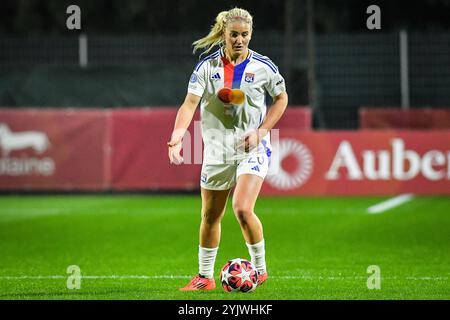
[235, 131]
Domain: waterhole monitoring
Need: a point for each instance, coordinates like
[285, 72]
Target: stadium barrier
[125, 149]
[364, 162]
[54, 149]
[397, 118]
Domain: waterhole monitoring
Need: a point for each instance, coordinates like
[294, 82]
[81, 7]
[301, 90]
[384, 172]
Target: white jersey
[221, 129]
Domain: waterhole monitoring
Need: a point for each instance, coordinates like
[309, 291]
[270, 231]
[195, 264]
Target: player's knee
[210, 216]
[243, 213]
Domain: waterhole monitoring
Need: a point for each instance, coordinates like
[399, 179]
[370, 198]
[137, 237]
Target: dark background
[118, 17]
[140, 53]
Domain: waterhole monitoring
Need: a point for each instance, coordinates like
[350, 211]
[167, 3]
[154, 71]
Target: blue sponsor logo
[193, 78]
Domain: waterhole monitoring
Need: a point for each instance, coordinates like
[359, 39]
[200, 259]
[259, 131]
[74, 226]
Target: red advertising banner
[360, 163]
[53, 149]
[139, 154]
[125, 149]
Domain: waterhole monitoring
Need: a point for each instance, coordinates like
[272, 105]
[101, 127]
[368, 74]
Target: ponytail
[215, 36]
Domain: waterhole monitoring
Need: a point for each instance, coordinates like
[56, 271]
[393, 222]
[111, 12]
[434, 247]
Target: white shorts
[224, 176]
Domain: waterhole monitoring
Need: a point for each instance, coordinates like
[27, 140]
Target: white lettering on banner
[36, 141]
[406, 164]
[384, 165]
[345, 157]
[434, 158]
[26, 166]
[399, 156]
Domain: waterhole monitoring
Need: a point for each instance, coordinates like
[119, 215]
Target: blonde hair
[215, 36]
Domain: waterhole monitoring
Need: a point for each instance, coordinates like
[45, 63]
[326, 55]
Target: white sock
[206, 260]
[258, 255]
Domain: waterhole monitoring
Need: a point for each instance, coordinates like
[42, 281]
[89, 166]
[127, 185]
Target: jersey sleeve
[276, 84]
[197, 83]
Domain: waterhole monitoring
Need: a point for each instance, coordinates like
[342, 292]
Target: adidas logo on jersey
[256, 168]
[216, 76]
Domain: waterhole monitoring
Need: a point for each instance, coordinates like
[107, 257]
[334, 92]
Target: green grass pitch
[145, 247]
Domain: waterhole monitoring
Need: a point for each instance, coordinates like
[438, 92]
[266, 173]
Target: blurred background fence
[352, 70]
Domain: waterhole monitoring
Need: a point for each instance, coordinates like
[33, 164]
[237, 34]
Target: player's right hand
[174, 152]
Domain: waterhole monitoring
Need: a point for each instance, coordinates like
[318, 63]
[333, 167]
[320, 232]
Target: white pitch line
[145, 277]
[26, 277]
[391, 203]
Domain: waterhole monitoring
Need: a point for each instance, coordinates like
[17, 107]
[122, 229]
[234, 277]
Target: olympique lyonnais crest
[249, 77]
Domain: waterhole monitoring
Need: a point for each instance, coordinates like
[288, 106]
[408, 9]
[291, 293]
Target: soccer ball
[239, 275]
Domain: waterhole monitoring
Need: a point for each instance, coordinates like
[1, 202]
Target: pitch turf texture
[145, 247]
